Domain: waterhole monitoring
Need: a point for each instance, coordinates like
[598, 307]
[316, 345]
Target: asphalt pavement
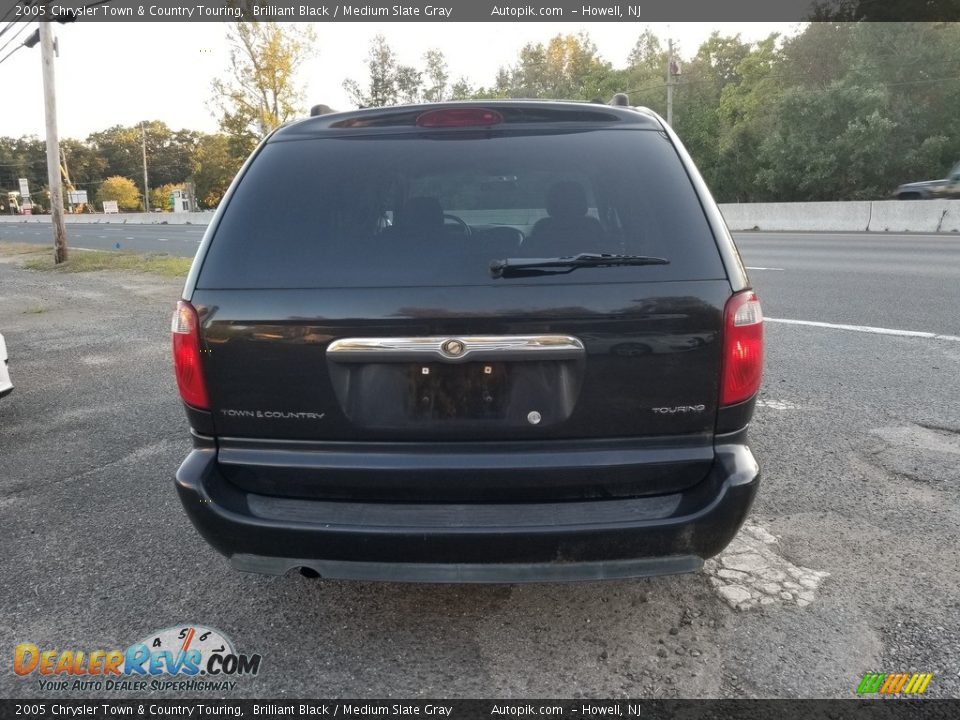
[857, 278]
[857, 431]
[179, 240]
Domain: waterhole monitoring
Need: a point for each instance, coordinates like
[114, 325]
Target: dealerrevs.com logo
[184, 658]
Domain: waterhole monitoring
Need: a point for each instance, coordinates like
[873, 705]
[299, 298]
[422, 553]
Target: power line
[5, 16]
[18, 34]
[9, 54]
[26, 3]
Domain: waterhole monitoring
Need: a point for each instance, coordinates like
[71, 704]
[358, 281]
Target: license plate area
[469, 391]
[443, 396]
[449, 385]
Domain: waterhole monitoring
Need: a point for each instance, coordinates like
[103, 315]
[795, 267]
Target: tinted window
[418, 210]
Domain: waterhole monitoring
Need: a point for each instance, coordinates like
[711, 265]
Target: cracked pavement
[751, 571]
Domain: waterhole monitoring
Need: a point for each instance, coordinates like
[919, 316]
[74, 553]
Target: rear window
[434, 210]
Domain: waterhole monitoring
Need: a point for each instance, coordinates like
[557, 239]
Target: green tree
[391, 83]
[260, 91]
[648, 54]
[120, 148]
[697, 97]
[864, 107]
[462, 89]
[121, 189]
[84, 163]
[24, 157]
[214, 166]
[437, 76]
[409, 84]
[382, 85]
[160, 196]
[568, 67]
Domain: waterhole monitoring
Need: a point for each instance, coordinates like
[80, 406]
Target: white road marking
[162, 240]
[762, 268]
[867, 329]
[778, 405]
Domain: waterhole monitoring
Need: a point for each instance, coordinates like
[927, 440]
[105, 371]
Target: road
[174, 239]
[845, 278]
[857, 432]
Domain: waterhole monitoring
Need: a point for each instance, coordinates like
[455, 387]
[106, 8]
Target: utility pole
[53, 143]
[146, 185]
[670, 77]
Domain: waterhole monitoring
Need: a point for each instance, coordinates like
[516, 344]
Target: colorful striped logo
[894, 683]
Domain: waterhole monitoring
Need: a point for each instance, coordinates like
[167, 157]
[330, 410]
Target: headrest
[566, 200]
[421, 212]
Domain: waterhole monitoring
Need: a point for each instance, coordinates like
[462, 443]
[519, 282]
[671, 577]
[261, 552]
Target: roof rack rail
[321, 110]
[620, 100]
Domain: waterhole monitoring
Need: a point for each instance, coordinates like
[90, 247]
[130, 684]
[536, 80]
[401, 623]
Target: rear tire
[910, 196]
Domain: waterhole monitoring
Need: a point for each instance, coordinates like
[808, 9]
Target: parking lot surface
[850, 561]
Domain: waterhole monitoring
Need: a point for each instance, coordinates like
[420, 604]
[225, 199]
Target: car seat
[567, 230]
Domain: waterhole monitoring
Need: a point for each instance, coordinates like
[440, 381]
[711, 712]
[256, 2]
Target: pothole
[922, 437]
[751, 572]
[922, 455]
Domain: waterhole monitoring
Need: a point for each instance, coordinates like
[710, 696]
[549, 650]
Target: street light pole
[53, 143]
[670, 82]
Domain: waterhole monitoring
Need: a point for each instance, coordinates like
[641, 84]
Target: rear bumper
[489, 542]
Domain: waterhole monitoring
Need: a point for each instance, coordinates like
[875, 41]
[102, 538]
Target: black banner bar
[891, 709]
[479, 10]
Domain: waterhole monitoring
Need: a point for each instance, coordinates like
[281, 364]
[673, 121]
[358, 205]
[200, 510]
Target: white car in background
[5, 385]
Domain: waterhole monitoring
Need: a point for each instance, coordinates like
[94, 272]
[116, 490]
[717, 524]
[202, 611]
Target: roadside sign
[76, 197]
[24, 188]
[110, 206]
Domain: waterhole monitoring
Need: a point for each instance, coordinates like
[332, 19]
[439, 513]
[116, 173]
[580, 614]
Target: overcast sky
[121, 73]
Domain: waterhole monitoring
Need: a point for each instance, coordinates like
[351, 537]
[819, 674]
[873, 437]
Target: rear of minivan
[501, 342]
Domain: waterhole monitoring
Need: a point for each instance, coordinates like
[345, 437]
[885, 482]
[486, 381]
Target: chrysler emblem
[453, 348]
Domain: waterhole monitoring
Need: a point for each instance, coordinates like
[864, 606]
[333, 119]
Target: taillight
[186, 356]
[742, 348]
[459, 117]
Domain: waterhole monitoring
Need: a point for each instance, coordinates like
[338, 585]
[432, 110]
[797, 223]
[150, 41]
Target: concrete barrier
[925, 216]
[812, 216]
[875, 216]
[178, 218]
[916, 216]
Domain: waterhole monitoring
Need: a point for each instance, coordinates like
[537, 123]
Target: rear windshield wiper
[528, 267]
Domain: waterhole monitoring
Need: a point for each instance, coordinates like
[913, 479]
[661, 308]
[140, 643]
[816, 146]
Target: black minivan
[469, 342]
